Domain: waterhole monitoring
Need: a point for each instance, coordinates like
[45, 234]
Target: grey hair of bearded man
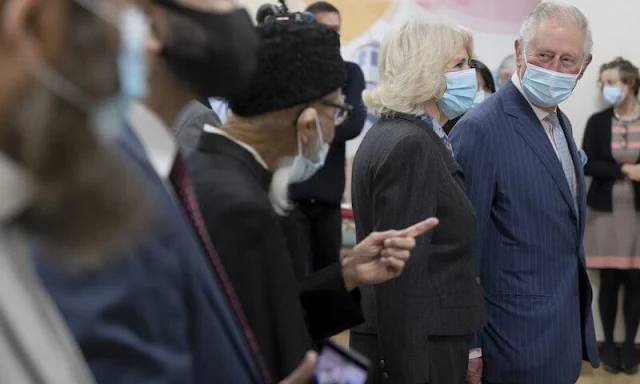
[86, 205]
[567, 14]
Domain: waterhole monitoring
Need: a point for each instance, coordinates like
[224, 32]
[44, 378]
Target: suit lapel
[530, 129]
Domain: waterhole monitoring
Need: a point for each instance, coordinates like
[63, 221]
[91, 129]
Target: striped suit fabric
[530, 254]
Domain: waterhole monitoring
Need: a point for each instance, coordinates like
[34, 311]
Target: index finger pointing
[419, 228]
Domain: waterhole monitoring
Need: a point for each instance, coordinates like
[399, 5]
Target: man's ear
[306, 126]
[587, 61]
[518, 53]
[33, 27]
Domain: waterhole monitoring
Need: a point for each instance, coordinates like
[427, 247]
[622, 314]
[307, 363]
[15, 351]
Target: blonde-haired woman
[420, 325]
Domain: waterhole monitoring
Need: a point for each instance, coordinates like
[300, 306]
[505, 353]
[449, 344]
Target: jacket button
[478, 280]
[385, 376]
[382, 364]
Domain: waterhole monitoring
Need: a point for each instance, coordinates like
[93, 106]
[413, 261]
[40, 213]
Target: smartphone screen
[337, 365]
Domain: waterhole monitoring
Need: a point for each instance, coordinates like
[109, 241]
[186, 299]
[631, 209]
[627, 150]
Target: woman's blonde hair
[413, 59]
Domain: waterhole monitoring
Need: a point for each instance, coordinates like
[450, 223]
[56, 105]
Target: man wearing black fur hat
[279, 133]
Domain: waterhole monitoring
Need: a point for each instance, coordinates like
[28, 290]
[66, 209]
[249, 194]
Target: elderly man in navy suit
[524, 176]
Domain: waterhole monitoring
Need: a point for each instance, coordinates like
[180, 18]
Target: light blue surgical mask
[132, 64]
[546, 88]
[460, 93]
[480, 97]
[613, 95]
[304, 168]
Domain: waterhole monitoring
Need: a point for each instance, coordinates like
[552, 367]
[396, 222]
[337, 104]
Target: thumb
[304, 372]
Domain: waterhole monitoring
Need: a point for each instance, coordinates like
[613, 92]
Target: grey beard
[279, 188]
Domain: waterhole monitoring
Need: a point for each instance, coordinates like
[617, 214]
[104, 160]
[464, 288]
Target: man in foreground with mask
[59, 182]
[161, 313]
[524, 176]
[278, 134]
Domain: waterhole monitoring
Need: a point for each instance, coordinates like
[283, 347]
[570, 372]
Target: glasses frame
[343, 110]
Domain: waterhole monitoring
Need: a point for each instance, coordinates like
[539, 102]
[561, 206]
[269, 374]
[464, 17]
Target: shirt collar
[515, 79]
[156, 138]
[217, 131]
[15, 188]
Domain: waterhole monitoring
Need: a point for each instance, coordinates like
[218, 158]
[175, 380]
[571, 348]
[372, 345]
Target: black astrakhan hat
[298, 63]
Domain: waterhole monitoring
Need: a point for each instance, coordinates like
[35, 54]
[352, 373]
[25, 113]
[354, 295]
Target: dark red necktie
[184, 189]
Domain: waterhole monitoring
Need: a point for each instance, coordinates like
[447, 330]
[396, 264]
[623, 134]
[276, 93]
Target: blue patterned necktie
[564, 155]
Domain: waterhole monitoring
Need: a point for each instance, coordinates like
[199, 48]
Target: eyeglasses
[342, 110]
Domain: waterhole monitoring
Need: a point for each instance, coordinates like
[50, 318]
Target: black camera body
[271, 12]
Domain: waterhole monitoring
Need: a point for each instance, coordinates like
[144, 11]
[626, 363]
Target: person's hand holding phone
[382, 255]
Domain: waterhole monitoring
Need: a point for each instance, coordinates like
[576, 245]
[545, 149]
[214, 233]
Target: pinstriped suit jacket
[530, 253]
[402, 174]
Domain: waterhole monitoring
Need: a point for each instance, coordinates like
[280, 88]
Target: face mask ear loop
[62, 87]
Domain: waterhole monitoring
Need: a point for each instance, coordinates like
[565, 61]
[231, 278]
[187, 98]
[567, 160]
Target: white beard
[279, 188]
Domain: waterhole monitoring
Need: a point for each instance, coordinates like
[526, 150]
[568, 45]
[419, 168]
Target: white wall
[615, 33]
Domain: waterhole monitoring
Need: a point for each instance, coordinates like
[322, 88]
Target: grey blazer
[403, 173]
[189, 125]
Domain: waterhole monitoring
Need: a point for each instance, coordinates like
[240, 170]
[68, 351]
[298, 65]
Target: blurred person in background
[279, 133]
[164, 311]
[209, 110]
[60, 181]
[420, 325]
[612, 241]
[486, 88]
[314, 225]
[506, 69]
[524, 176]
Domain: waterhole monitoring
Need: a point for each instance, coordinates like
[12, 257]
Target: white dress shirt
[35, 344]
[540, 114]
[221, 108]
[156, 139]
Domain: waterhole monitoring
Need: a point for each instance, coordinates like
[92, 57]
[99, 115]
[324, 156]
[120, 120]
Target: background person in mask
[610, 142]
[163, 312]
[279, 133]
[314, 225]
[506, 69]
[486, 86]
[419, 325]
[59, 182]
[524, 176]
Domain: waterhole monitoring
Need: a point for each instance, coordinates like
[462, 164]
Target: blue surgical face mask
[480, 97]
[132, 64]
[613, 95]
[304, 168]
[546, 88]
[460, 93]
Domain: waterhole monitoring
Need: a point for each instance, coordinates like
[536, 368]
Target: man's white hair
[558, 12]
[279, 187]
